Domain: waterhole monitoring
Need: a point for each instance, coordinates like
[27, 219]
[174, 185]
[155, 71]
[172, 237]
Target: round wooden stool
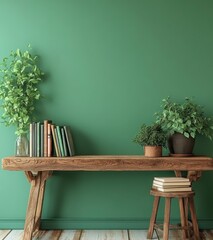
[185, 199]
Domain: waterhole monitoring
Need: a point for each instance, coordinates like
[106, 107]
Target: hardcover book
[64, 142]
[178, 189]
[164, 184]
[171, 179]
[170, 186]
[38, 139]
[42, 140]
[59, 137]
[45, 138]
[55, 141]
[49, 140]
[32, 138]
[69, 141]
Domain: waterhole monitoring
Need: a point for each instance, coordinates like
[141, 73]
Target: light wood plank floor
[96, 235]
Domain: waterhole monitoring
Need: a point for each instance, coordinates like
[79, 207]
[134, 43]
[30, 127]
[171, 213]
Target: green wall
[108, 65]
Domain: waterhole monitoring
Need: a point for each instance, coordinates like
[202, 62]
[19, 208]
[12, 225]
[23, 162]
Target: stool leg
[183, 217]
[153, 217]
[166, 218]
[186, 209]
[194, 219]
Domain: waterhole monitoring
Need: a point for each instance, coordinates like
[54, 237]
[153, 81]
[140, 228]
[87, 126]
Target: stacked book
[48, 139]
[171, 184]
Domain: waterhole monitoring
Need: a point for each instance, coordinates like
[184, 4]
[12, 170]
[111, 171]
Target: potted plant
[153, 138]
[183, 121]
[19, 79]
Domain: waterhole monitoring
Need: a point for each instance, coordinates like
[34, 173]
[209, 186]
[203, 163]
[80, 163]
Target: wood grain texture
[140, 234]
[107, 163]
[104, 235]
[184, 198]
[70, 235]
[29, 176]
[206, 235]
[44, 176]
[183, 217]
[173, 235]
[4, 233]
[194, 219]
[32, 207]
[76, 235]
[166, 218]
[153, 217]
[172, 194]
[15, 235]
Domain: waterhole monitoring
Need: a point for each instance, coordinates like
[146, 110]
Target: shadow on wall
[83, 144]
[203, 146]
[57, 191]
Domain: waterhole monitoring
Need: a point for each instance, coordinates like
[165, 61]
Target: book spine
[45, 138]
[57, 142]
[42, 140]
[38, 141]
[49, 140]
[31, 140]
[69, 141]
[35, 140]
[54, 140]
[171, 186]
[171, 179]
[187, 189]
[171, 183]
[64, 142]
[60, 140]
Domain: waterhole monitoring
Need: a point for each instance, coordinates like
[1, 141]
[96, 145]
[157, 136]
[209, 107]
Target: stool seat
[155, 192]
[186, 199]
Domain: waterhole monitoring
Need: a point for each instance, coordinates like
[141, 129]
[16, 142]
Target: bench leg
[35, 203]
[44, 177]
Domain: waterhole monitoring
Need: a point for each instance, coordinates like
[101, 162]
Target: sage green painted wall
[108, 65]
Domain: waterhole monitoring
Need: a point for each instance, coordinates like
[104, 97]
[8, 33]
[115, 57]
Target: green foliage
[187, 118]
[19, 79]
[152, 135]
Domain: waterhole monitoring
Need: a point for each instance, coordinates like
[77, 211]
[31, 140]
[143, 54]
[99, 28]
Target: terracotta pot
[152, 151]
[179, 144]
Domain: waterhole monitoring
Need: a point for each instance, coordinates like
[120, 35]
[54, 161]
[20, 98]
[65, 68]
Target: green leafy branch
[187, 118]
[20, 77]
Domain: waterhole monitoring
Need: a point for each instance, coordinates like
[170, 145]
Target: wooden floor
[95, 235]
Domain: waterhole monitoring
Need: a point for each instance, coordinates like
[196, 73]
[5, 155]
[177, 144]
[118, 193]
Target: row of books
[48, 139]
[172, 184]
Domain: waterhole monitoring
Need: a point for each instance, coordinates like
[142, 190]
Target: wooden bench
[38, 170]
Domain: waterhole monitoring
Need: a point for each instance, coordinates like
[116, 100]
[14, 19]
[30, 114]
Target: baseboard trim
[62, 223]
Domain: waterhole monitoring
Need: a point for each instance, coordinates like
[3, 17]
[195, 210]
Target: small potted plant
[153, 138]
[19, 79]
[183, 122]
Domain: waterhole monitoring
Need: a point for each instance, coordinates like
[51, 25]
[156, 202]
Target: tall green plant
[19, 79]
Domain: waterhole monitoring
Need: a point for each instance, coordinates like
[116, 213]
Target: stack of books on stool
[172, 184]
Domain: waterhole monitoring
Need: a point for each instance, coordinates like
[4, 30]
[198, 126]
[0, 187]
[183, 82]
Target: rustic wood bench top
[107, 163]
